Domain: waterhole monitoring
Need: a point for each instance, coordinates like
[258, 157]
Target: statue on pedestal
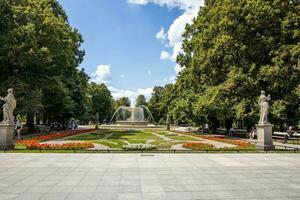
[9, 107]
[168, 123]
[264, 108]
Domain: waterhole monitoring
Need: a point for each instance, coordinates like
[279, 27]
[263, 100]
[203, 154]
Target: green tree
[141, 101]
[102, 101]
[124, 101]
[234, 49]
[39, 56]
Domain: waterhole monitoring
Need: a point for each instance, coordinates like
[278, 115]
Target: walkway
[157, 176]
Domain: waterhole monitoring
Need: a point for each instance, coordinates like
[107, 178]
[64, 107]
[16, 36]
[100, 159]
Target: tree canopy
[39, 57]
[123, 101]
[231, 51]
[141, 101]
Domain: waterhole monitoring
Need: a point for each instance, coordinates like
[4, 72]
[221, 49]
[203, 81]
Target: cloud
[149, 72]
[131, 94]
[173, 36]
[178, 69]
[164, 55]
[161, 35]
[102, 74]
[122, 76]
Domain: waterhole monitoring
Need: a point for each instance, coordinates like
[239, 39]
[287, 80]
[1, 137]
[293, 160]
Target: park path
[215, 143]
[162, 137]
[180, 146]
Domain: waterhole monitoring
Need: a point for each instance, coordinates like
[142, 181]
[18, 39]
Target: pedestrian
[252, 133]
[18, 127]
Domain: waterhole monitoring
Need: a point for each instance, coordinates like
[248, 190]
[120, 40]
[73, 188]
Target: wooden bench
[284, 136]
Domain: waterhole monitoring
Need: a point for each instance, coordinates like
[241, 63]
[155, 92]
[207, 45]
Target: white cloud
[190, 10]
[131, 94]
[149, 72]
[178, 68]
[161, 35]
[122, 76]
[102, 74]
[141, 2]
[164, 55]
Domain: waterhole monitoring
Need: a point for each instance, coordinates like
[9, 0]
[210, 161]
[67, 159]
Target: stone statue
[9, 107]
[264, 108]
[168, 122]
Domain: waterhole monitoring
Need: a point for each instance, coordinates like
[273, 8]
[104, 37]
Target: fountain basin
[132, 123]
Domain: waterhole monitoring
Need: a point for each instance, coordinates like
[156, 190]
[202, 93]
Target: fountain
[132, 116]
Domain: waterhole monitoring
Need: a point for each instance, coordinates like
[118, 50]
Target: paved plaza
[149, 176]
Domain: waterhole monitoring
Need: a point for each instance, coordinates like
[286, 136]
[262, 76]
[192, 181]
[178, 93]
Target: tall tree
[39, 56]
[123, 101]
[234, 49]
[102, 101]
[141, 101]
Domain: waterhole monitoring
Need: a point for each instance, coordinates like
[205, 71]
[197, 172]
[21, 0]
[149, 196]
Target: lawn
[117, 139]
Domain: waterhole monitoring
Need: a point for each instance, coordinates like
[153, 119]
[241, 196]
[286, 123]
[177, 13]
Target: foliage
[124, 101]
[141, 101]
[231, 51]
[102, 101]
[39, 54]
[159, 102]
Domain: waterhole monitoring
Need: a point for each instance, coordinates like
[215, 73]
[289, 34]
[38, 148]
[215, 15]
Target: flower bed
[35, 142]
[240, 144]
[198, 146]
[53, 136]
[139, 147]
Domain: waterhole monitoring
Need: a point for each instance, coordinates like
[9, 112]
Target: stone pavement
[149, 176]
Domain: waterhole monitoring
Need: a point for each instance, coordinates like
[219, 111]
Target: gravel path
[215, 143]
[162, 137]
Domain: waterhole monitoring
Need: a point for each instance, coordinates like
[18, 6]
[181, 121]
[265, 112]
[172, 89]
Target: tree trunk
[228, 123]
[45, 119]
[30, 122]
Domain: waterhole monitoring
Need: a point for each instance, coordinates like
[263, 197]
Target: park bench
[284, 136]
[42, 128]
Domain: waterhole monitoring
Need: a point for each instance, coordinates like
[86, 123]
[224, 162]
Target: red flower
[34, 143]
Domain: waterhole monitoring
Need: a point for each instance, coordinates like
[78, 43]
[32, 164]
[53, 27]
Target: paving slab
[161, 176]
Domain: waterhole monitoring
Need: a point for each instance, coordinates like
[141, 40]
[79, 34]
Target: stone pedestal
[7, 136]
[168, 126]
[264, 137]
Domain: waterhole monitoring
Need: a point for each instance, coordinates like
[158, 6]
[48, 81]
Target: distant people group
[72, 124]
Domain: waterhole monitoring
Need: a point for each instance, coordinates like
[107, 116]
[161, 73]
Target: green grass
[165, 145]
[114, 144]
[116, 139]
[88, 136]
[182, 138]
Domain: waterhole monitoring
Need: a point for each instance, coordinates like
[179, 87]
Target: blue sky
[130, 45]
